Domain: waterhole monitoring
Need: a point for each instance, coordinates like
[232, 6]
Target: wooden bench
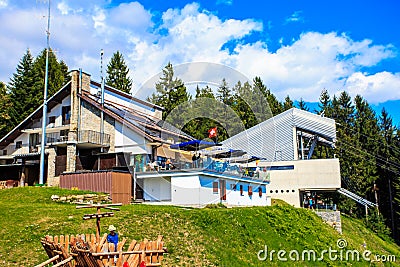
[83, 251]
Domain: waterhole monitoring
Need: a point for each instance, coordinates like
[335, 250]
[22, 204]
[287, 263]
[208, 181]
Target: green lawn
[194, 237]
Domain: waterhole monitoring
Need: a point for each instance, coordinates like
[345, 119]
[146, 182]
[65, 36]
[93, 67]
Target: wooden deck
[83, 251]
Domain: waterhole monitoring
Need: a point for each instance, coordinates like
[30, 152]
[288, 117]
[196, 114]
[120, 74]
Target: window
[280, 168]
[260, 191]
[18, 144]
[241, 190]
[4, 152]
[66, 115]
[215, 187]
[250, 190]
[52, 119]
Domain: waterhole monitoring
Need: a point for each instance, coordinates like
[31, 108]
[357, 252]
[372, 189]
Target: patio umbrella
[230, 153]
[194, 145]
[244, 159]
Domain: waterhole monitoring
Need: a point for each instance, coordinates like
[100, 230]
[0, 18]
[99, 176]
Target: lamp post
[44, 120]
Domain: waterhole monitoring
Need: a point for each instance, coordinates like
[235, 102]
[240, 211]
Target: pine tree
[26, 87]
[201, 109]
[118, 74]
[273, 103]
[57, 75]
[170, 92]
[303, 105]
[4, 111]
[22, 90]
[366, 138]
[389, 168]
[288, 104]
[325, 104]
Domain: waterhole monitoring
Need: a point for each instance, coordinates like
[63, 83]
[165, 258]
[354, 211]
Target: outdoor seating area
[83, 250]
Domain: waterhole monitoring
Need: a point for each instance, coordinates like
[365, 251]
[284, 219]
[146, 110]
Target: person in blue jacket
[112, 237]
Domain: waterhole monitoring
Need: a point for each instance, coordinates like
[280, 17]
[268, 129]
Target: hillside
[194, 237]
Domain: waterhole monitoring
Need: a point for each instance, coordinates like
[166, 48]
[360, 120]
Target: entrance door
[222, 189]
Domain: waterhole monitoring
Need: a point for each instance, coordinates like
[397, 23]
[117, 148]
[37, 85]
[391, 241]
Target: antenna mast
[102, 103]
[44, 120]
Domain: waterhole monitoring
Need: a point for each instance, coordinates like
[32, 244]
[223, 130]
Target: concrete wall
[318, 174]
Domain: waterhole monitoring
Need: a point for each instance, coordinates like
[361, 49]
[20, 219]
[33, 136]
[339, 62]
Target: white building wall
[235, 198]
[127, 140]
[24, 138]
[198, 190]
[318, 174]
[157, 189]
[57, 112]
[186, 190]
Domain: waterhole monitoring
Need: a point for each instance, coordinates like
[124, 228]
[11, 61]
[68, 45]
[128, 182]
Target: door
[222, 189]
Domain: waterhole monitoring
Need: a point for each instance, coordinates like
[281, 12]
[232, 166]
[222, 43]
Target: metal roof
[275, 139]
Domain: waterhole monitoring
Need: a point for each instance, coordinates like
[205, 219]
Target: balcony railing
[221, 167]
[93, 137]
[57, 137]
[84, 136]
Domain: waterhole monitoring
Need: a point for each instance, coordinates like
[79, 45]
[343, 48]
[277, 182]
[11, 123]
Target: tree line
[368, 144]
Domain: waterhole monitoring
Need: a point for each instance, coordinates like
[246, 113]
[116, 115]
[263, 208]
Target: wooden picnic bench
[83, 251]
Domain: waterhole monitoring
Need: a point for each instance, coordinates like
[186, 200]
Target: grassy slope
[194, 237]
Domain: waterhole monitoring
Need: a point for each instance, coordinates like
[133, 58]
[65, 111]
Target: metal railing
[84, 136]
[93, 137]
[221, 167]
[56, 137]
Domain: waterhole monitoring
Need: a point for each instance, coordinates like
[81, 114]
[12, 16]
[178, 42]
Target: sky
[298, 48]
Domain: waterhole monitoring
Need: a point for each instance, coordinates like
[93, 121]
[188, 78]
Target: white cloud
[80, 29]
[3, 3]
[377, 88]
[224, 2]
[295, 17]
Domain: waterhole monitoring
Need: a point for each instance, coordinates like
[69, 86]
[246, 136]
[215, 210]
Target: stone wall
[332, 218]
[52, 180]
[91, 120]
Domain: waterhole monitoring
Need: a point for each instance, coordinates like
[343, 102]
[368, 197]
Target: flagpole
[44, 122]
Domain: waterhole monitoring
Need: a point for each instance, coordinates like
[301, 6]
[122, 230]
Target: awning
[193, 145]
[164, 151]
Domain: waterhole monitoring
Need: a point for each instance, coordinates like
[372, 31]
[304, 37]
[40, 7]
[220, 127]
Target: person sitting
[168, 164]
[112, 237]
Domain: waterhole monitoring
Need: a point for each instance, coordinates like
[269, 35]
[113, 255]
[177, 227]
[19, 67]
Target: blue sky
[297, 47]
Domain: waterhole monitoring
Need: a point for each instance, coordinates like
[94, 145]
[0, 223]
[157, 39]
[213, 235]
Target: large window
[66, 115]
